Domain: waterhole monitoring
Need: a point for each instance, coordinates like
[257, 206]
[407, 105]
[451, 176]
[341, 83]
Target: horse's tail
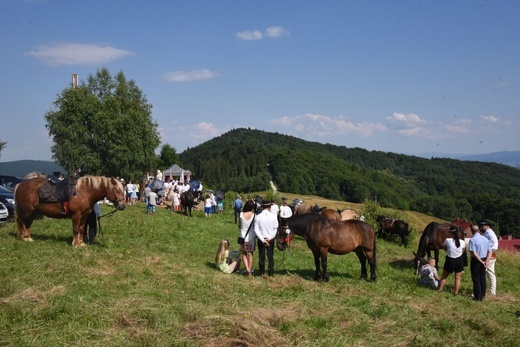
[375, 246]
[18, 225]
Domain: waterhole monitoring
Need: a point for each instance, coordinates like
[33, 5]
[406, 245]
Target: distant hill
[21, 168]
[246, 160]
[511, 158]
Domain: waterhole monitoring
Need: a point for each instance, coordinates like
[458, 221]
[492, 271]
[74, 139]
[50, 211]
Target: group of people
[258, 226]
[482, 246]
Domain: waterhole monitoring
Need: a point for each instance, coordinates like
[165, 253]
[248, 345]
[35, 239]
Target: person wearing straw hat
[485, 228]
[266, 227]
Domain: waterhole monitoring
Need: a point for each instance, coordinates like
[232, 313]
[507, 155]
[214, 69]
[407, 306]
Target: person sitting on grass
[225, 260]
[429, 274]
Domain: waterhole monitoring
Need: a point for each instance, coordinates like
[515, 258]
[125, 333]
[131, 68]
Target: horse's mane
[34, 174]
[95, 182]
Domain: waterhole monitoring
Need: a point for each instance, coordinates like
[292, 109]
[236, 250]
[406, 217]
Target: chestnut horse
[326, 236]
[432, 239]
[88, 190]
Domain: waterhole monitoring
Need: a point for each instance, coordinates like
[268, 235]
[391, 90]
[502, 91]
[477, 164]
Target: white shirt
[285, 211]
[275, 209]
[452, 250]
[266, 225]
[492, 237]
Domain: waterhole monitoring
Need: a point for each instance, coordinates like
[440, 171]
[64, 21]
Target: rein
[99, 221]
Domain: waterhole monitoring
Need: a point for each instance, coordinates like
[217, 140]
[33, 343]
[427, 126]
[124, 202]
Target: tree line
[246, 160]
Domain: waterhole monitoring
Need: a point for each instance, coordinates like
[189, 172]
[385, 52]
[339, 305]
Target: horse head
[283, 236]
[418, 260]
[115, 193]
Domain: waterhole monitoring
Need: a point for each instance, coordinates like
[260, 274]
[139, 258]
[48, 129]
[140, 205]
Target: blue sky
[399, 76]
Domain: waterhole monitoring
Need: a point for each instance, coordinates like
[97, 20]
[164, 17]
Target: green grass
[150, 281]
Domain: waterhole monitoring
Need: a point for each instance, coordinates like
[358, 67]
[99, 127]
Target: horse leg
[24, 228]
[78, 228]
[363, 260]
[316, 254]
[371, 256]
[325, 274]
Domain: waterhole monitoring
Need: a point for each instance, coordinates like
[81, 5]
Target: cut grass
[150, 281]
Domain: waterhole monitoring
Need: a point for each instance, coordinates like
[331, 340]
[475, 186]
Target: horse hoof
[28, 239]
[325, 279]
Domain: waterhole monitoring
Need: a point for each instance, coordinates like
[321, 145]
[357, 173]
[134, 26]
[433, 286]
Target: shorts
[247, 247]
[452, 265]
[207, 210]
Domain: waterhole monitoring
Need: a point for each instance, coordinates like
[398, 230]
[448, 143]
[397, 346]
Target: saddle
[57, 190]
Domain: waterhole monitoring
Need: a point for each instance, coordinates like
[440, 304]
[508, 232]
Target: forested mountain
[21, 168]
[244, 160]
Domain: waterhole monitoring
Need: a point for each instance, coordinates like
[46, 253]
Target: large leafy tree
[168, 156]
[104, 127]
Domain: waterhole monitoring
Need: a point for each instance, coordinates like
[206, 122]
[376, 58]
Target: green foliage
[168, 156]
[2, 146]
[246, 160]
[104, 127]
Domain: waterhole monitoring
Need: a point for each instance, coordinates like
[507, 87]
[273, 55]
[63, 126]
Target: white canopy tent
[176, 171]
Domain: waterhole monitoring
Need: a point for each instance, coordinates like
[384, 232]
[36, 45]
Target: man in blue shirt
[480, 249]
[237, 207]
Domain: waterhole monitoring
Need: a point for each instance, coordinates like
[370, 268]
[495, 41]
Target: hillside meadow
[151, 281]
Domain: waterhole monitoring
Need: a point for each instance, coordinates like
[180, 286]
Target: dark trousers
[237, 214]
[262, 249]
[92, 227]
[478, 276]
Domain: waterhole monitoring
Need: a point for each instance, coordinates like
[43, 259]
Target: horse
[187, 202]
[331, 214]
[390, 226]
[433, 238]
[87, 191]
[347, 214]
[326, 236]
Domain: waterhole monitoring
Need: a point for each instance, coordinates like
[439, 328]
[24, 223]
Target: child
[207, 206]
[225, 260]
[429, 275]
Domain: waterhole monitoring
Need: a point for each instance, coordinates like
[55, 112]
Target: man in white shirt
[485, 228]
[266, 227]
[274, 208]
[285, 210]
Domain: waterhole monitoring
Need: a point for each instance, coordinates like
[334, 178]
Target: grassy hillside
[150, 281]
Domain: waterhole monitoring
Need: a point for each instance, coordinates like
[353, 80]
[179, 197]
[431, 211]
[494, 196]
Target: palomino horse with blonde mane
[87, 191]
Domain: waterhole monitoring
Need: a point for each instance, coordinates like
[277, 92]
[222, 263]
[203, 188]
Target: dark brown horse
[87, 191]
[388, 227]
[432, 239]
[326, 236]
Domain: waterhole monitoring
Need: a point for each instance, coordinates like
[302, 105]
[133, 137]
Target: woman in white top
[454, 259]
[246, 223]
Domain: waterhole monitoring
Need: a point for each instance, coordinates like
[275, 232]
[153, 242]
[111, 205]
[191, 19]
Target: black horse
[187, 202]
[326, 236]
[388, 227]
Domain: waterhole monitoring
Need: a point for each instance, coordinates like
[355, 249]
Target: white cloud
[407, 119]
[250, 35]
[270, 32]
[276, 32]
[490, 119]
[185, 76]
[77, 54]
[324, 126]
